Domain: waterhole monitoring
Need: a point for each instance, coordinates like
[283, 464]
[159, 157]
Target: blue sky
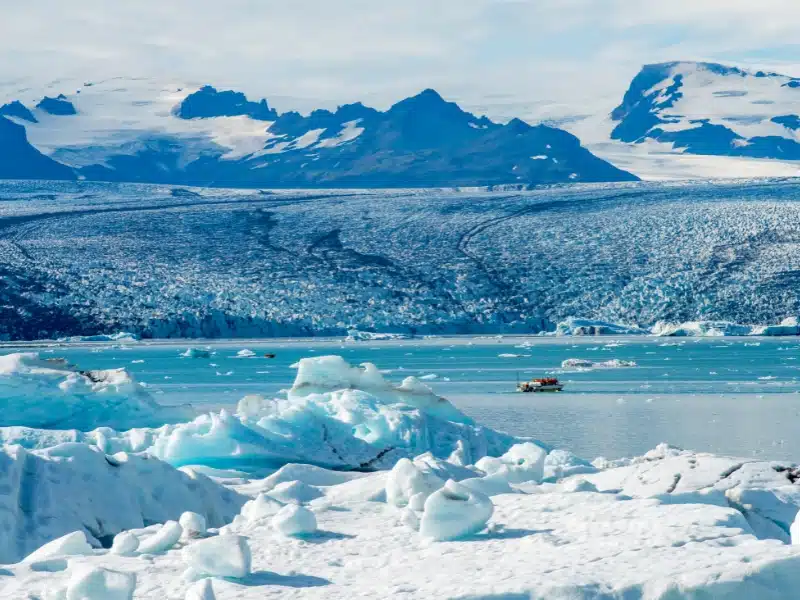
[507, 56]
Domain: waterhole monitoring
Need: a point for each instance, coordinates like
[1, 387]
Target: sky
[540, 58]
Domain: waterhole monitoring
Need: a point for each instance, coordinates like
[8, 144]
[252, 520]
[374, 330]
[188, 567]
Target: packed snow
[633, 529]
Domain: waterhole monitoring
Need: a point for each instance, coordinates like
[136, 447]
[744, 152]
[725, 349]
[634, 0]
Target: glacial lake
[736, 396]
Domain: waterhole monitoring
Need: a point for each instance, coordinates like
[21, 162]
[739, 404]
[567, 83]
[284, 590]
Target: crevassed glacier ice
[52, 394]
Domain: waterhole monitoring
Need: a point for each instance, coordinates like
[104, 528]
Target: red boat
[546, 384]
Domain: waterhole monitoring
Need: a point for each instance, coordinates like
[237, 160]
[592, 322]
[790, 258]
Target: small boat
[269, 355]
[548, 384]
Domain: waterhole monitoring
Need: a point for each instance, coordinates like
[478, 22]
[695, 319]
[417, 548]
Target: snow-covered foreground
[475, 514]
[86, 258]
[353, 538]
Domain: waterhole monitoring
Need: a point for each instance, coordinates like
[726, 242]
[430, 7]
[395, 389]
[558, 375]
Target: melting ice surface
[91, 517]
[734, 396]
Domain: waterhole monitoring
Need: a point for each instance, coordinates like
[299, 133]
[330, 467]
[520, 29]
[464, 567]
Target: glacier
[89, 258]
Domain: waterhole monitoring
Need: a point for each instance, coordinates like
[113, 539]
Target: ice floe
[580, 363]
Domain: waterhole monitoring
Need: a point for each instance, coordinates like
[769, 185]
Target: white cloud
[571, 56]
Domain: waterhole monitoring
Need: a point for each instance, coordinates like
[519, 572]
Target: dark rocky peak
[19, 110]
[57, 106]
[208, 102]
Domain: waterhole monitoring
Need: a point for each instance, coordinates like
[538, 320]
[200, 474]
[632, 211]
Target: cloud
[572, 56]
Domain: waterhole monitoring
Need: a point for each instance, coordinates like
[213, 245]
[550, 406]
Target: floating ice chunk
[163, 540]
[197, 353]
[219, 556]
[295, 492]
[702, 329]
[201, 590]
[581, 327]
[125, 544]
[455, 511]
[97, 583]
[510, 355]
[295, 520]
[353, 335]
[245, 353]
[193, 525]
[407, 480]
[72, 544]
[429, 377]
[121, 336]
[580, 363]
[523, 462]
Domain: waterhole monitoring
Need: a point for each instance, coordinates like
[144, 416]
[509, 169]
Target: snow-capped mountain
[712, 109]
[144, 131]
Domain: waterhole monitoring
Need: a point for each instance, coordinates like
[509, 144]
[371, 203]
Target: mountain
[712, 109]
[130, 130]
[20, 160]
[81, 258]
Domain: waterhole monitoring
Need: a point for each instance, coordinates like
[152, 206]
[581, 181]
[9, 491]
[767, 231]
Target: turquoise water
[733, 395]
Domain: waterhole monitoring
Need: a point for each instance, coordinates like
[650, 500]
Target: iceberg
[49, 393]
[122, 336]
[354, 335]
[196, 353]
[578, 327]
[789, 326]
[335, 416]
[580, 363]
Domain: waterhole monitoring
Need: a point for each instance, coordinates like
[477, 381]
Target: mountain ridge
[712, 109]
[210, 137]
